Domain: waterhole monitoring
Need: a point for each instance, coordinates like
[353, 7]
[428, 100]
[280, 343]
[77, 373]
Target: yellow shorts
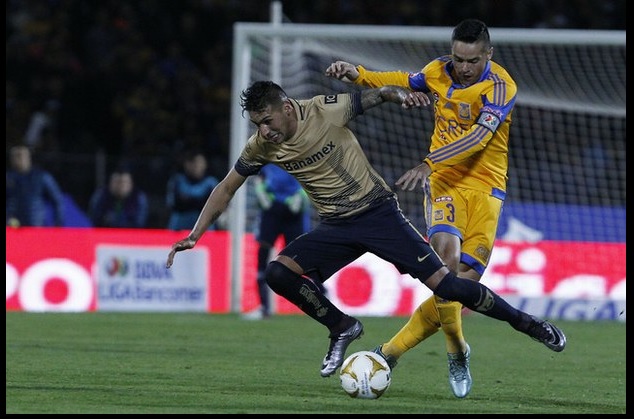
[469, 214]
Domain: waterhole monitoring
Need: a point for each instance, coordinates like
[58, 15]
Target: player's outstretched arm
[216, 204]
[395, 94]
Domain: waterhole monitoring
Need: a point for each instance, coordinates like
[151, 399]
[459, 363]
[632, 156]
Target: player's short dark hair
[260, 95]
[471, 31]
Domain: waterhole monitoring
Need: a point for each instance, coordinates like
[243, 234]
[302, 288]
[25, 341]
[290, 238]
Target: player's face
[21, 159]
[196, 167]
[469, 61]
[275, 124]
[121, 184]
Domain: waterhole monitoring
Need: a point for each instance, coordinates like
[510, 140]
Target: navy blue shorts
[382, 230]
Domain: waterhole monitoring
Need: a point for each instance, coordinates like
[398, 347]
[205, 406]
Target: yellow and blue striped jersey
[469, 145]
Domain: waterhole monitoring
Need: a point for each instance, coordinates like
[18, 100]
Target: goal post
[567, 147]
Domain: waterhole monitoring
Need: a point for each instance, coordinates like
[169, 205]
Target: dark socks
[263, 292]
[478, 297]
[264, 250]
[304, 294]
[345, 324]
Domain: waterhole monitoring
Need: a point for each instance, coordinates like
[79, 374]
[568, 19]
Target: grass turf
[97, 363]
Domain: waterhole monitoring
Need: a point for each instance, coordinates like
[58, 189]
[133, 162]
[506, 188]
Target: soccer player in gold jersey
[464, 176]
[359, 212]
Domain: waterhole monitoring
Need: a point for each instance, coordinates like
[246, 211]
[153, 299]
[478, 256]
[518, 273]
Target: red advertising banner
[571, 280]
[56, 269]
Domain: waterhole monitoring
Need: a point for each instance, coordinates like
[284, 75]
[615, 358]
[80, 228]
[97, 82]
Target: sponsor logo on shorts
[482, 252]
[422, 258]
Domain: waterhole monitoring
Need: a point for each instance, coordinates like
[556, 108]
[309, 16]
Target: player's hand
[294, 203]
[265, 200]
[343, 71]
[181, 245]
[413, 176]
[416, 100]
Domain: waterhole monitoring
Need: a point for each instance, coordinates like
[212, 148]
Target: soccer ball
[365, 375]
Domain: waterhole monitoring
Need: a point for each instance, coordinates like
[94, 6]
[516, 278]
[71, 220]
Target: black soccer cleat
[547, 333]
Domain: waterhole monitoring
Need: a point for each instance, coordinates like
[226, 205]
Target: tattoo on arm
[370, 98]
[373, 97]
[215, 216]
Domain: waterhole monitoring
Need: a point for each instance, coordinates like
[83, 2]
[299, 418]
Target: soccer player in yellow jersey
[464, 176]
[359, 212]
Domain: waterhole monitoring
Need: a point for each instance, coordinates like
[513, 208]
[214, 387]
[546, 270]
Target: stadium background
[140, 81]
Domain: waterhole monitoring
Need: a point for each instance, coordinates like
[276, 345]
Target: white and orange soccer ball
[365, 375]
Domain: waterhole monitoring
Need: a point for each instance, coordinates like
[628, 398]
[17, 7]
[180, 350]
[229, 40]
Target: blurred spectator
[120, 204]
[40, 134]
[285, 212]
[187, 191]
[30, 190]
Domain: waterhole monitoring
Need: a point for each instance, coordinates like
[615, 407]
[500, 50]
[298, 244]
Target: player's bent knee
[279, 276]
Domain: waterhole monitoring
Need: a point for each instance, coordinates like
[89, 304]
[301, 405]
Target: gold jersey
[469, 145]
[323, 155]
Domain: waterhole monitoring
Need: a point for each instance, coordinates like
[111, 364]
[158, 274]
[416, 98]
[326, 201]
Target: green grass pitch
[161, 363]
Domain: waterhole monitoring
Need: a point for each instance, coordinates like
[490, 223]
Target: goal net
[567, 147]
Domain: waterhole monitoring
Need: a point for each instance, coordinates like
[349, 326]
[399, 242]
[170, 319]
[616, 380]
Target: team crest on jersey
[331, 99]
[488, 120]
[464, 110]
[439, 215]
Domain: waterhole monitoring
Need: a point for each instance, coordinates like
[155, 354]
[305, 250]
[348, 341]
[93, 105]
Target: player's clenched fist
[343, 71]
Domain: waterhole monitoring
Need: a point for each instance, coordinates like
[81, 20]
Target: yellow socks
[451, 323]
[427, 319]
[423, 323]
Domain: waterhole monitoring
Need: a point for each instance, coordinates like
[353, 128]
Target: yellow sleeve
[429, 163]
[381, 78]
